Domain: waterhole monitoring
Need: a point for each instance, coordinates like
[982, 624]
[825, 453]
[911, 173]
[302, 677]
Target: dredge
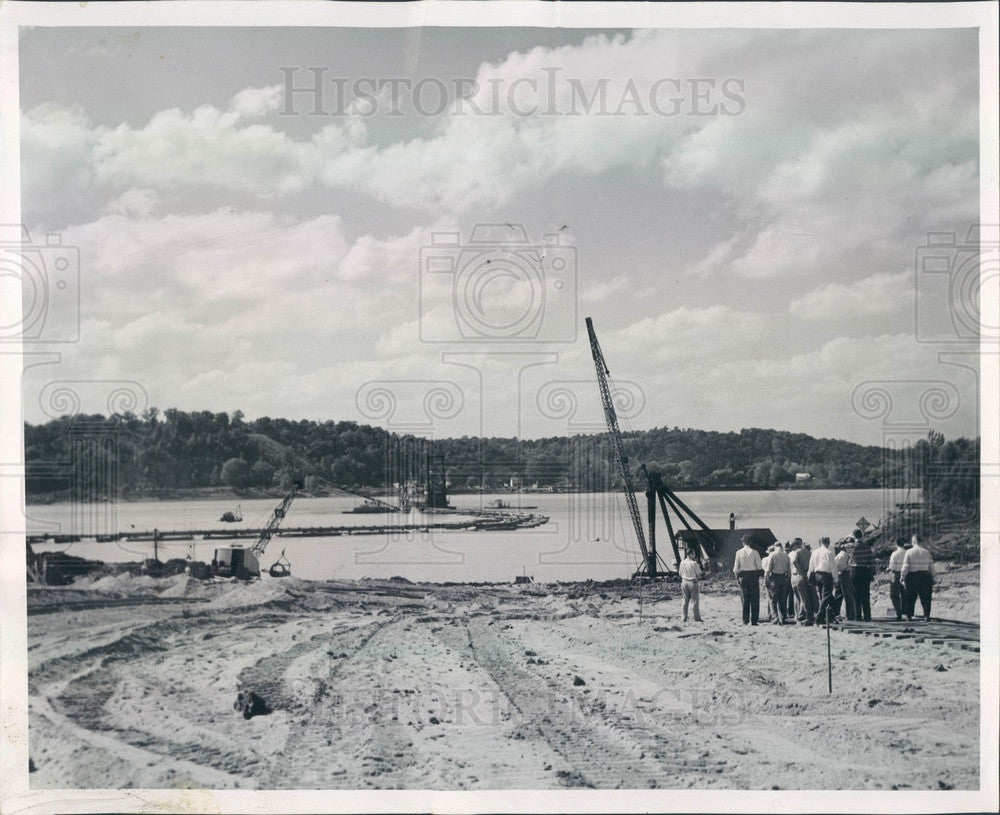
[715, 549]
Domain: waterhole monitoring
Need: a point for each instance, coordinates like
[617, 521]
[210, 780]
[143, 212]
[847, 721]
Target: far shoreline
[221, 494]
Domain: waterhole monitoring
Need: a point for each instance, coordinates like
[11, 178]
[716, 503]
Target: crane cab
[235, 561]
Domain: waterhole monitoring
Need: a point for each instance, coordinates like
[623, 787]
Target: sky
[742, 214]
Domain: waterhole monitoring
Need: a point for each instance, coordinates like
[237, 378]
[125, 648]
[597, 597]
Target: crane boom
[611, 417]
[276, 518]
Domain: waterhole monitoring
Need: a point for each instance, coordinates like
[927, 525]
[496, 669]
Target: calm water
[588, 536]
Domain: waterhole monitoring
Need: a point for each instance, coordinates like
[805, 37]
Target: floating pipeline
[480, 522]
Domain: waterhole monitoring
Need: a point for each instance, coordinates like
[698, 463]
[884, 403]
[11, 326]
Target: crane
[611, 417]
[277, 516]
[244, 562]
[657, 492]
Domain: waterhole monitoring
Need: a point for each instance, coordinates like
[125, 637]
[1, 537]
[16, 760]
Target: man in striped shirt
[918, 578]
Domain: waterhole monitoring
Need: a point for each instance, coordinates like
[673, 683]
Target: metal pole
[651, 512]
[829, 658]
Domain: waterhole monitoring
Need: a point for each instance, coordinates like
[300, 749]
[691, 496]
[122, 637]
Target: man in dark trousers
[806, 612]
[844, 590]
[777, 579]
[747, 568]
[790, 600]
[864, 573]
[918, 577]
[897, 594]
[823, 573]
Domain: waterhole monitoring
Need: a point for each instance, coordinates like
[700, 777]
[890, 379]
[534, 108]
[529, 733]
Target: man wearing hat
[800, 584]
[863, 559]
[778, 582]
[747, 568]
[790, 600]
[845, 583]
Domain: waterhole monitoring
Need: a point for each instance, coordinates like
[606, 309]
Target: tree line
[159, 452]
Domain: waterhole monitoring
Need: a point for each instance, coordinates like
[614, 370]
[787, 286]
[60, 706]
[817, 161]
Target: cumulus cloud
[878, 294]
[231, 253]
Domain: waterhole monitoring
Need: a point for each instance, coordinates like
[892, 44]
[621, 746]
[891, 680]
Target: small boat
[229, 517]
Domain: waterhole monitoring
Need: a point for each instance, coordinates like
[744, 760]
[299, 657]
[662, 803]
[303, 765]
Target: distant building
[800, 477]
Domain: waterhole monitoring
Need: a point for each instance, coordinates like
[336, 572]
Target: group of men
[811, 586]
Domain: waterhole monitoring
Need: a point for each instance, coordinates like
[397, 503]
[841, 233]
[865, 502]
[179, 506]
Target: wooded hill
[177, 450]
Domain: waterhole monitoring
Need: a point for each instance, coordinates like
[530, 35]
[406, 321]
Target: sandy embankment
[389, 685]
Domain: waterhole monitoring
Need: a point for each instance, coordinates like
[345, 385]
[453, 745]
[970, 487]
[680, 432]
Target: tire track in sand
[311, 758]
[605, 749]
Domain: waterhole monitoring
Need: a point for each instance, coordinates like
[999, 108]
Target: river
[587, 536]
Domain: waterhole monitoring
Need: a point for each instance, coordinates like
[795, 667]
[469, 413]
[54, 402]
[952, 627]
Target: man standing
[896, 592]
[918, 578]
[790, 600]
[846, 582]
[747, 568]
[778, 582]
[864, 573]
[690, 573]
[763, 566]
[823, 573]
[800, 583]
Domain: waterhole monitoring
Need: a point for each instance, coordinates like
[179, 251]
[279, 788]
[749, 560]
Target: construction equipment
[657, 492]
[243, 562]
[230, 517]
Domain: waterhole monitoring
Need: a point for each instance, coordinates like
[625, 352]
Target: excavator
[243, 562]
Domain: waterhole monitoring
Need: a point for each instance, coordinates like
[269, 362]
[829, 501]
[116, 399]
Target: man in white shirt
[917, 575]
[790, 601]
[845, 583]
[690, 573]
[777, 578]
[763, 566]
[801, 587]
[823, 574]
[896, 591]
[747, 568]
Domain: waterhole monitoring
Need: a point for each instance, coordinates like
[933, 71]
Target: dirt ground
[387, 684]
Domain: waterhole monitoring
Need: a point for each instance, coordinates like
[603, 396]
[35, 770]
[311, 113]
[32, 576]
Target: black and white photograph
[492, 406]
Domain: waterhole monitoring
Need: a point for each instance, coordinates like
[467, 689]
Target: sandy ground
[394, 685]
